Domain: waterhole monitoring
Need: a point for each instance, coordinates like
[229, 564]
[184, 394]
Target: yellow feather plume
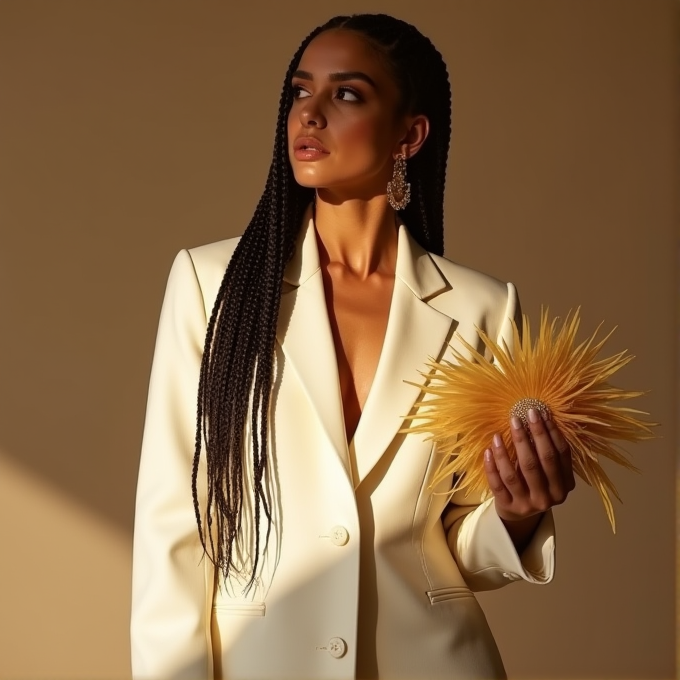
[468, 401]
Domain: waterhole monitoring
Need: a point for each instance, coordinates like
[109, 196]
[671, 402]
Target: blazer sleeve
[481, 546]
[171, 578]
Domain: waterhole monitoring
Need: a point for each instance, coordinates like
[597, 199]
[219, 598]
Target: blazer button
[339, 536]
[337, 647]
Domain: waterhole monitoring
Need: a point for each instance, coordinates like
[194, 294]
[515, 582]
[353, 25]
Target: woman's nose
[312, 116]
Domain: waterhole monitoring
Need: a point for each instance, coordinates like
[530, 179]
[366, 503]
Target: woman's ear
[416, 134]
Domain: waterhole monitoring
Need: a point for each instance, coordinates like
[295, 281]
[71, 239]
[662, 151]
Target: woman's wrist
[521, 531]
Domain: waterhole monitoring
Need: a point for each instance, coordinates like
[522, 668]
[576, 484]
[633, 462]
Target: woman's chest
[358, 313]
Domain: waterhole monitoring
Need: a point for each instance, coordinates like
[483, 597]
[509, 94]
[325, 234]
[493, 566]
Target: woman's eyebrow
[351, 75]
[338, 77]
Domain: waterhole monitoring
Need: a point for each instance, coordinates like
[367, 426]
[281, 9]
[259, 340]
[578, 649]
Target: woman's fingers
[509, 482]
[529, 463]
[560, 443]
[500, 492]
[542, 474]
[547, 454]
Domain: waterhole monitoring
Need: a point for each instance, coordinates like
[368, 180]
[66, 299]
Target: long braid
[237, 369]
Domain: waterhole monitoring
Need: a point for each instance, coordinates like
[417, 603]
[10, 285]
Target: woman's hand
[542, 477]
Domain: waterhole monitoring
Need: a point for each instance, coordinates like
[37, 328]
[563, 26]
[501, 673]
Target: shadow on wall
[74, 390]
[65, 582]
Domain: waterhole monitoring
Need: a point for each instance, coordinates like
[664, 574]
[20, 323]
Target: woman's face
[343, 127]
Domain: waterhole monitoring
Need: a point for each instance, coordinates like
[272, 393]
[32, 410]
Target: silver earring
[399, 190]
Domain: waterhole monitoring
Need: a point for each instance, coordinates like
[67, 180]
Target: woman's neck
[358, 235]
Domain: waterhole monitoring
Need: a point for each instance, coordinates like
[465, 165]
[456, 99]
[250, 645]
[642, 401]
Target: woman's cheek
[362, 131]
[367, 140]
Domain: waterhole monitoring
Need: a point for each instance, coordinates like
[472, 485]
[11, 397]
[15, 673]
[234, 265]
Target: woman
[328, 555]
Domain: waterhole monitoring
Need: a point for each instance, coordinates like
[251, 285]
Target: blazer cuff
[487, 557]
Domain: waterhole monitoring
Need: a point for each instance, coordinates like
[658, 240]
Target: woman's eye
[299, 92]
[347, 95]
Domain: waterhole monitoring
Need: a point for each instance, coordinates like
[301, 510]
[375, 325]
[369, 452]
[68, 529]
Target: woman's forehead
[342, 50]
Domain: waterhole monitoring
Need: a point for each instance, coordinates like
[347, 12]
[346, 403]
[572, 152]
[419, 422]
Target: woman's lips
[309, 149]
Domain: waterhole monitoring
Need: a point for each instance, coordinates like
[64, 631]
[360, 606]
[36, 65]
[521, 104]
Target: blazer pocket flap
[452, 593]
[240, 608]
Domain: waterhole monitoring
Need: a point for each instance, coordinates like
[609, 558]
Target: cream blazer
[367, 572]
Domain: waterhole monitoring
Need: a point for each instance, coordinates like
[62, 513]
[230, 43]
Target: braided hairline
[237, 365]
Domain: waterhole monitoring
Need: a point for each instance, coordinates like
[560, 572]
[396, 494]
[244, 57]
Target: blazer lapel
[415, 333]
[304, 333]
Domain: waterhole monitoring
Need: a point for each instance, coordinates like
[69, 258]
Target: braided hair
[237, 369]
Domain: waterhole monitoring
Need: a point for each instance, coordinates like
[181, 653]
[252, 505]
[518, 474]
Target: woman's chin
[309, 184]
[309, 179]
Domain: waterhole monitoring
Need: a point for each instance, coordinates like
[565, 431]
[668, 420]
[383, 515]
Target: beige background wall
[130, 129]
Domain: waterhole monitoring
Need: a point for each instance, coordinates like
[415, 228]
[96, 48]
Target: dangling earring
[399, 190]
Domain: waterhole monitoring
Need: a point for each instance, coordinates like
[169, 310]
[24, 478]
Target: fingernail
[487, 455]
[497, 441]
[516, 422]
[533, 415]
